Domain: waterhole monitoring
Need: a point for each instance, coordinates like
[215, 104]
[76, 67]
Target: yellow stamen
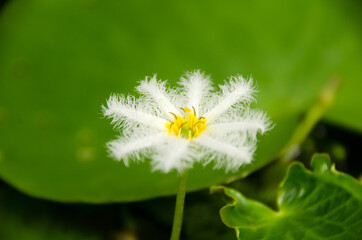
[173, 115]
[186, 110]
[194, 110]
[188, 126]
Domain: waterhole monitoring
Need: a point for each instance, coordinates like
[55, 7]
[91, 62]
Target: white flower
[177, 127]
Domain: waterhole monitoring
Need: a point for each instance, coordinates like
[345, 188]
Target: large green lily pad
[60, 60]
[323, 204]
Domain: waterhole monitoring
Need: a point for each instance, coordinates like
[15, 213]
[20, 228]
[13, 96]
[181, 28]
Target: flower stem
[324, 101]
[179, 208]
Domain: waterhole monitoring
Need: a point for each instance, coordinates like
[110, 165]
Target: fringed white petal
[126, 113]
[174, 154]
[196, 86]
[224, 153]
[236, 91]
[126, 148]
[250, 122]
[156, 91]
[242, 125]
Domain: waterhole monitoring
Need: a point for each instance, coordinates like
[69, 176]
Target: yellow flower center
[189, 126]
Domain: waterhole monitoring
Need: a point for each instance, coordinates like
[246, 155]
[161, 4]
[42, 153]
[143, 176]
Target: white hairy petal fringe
[236, 91]
[156, 91]
[173, 154]
[133, 148]
[250, 122]
[127, 114]
[224, 153]
[196, 87]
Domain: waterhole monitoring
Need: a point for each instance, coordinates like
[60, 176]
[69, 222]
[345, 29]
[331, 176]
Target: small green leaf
[323, 204]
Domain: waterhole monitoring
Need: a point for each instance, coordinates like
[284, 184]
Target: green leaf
[60, 60]
[323, 204]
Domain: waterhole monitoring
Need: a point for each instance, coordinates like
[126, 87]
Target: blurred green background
[60, 60]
